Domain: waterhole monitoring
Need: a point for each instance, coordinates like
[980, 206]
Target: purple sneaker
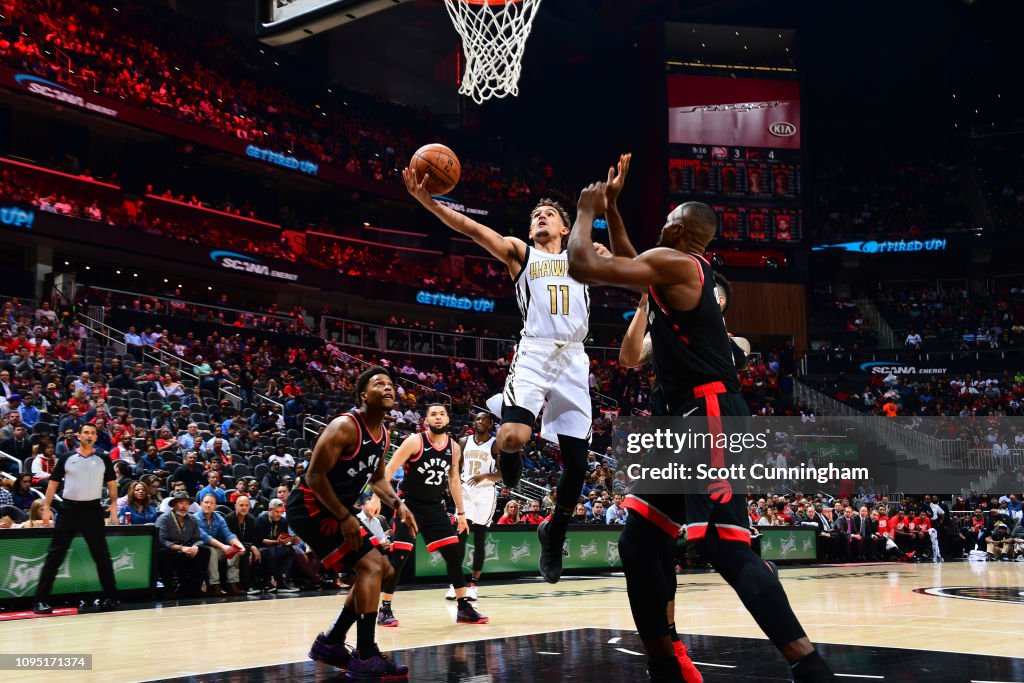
[375, 668]
[385, 617]
[327, 653]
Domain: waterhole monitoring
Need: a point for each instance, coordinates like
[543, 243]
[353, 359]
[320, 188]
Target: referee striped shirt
[84, 476]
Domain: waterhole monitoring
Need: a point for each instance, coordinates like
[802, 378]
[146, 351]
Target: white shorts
[557, 373]
[480, 502]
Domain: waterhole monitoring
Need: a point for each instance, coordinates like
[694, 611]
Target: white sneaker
[451, 593]
[471, 592]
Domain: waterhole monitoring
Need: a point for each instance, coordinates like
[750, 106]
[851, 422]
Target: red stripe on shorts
[431, 547]
[651, 514]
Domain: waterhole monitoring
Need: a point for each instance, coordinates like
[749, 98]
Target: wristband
[461, 514]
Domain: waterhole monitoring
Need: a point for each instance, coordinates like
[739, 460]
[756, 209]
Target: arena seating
[119, 53]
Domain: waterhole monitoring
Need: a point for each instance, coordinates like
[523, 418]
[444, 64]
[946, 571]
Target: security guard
[84, 472]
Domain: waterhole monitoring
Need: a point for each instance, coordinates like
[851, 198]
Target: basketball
[440, 163]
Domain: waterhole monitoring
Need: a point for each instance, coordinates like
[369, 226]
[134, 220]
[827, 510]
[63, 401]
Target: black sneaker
[550, 561]
[812, 669]
[109, 604]
[469, 615]
[376, 668]
[42, 608]
[337, 656]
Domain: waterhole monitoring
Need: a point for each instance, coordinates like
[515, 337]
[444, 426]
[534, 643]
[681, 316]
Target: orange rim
[489, 2]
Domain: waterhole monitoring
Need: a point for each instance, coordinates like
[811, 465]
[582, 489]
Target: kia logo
[782, 129]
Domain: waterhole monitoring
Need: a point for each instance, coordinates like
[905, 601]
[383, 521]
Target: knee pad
[452, 555]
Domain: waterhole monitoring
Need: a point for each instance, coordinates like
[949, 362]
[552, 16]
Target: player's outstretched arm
[621, 246]
[381, 485]
[635, 341]
[661, 266]
[508, 250]
[405, 451]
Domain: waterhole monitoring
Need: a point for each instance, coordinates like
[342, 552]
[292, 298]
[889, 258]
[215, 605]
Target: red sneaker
[690, 673]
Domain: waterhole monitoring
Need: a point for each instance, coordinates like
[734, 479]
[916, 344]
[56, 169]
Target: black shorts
[719, 511]
[321, 531]
[433, 522]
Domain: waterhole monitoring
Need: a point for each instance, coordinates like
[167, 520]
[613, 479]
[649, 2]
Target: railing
[425, 342]
[100, 329]
[900, 437]
[983, 459]
[886, 338]
[7, 456]
[183, 308]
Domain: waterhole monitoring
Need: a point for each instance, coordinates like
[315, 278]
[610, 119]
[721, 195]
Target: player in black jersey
[695, 376]
[348, 456]
[635, 349]
[430, 461]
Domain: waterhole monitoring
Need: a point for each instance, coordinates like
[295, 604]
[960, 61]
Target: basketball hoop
[494, 34]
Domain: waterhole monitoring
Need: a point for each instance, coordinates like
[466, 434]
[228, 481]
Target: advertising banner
[22, 556]
[788, 544]
[517, 550]
[733, 112]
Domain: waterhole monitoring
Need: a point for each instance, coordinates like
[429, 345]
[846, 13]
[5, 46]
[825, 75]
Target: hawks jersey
[350, 475]
[426, 473]
[553, 305]
[477, 459]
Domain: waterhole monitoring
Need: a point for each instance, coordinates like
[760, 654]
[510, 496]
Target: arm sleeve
[58, 470]
[108, 470]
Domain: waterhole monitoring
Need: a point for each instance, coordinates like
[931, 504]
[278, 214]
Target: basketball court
[954, 622]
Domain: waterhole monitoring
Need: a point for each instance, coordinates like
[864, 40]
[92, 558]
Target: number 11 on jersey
[553, 290]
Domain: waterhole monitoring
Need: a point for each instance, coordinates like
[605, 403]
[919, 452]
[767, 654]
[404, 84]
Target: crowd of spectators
[930, 318]
[949, 395]
[892, 195]
[148, 56]
[842, 323]
[352, 258]
[869, 528]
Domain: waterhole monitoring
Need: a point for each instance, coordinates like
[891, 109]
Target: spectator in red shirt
[511, 515]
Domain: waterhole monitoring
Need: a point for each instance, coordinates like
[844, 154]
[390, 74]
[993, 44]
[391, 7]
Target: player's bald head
[698, 223]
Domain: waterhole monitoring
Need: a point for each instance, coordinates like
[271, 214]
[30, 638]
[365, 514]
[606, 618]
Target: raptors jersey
[553, 305]
[426, 473]
[690, 348]
[350, 475]
[477, 459]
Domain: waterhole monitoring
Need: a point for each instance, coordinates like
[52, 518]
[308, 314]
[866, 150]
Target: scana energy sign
[56, 91]
[249, 265]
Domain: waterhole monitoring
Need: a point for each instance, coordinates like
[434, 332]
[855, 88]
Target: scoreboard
[755, 191]
[735, 145]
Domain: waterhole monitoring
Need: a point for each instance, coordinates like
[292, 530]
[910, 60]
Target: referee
[84, 471]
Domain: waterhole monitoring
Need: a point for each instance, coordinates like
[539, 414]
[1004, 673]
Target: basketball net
[494, 37]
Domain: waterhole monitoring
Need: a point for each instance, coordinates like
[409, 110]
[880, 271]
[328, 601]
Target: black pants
[180, 572]
[87, 518]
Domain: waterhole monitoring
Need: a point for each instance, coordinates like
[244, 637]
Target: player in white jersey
[479, 473]
[550, 363]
